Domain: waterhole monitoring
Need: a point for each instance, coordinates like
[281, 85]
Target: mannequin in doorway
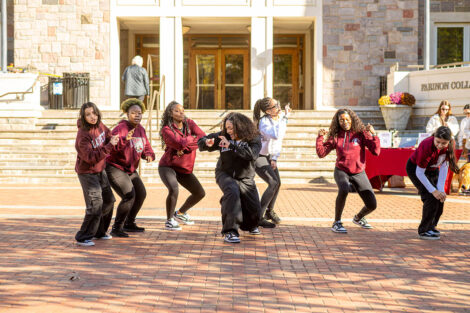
[136, 79]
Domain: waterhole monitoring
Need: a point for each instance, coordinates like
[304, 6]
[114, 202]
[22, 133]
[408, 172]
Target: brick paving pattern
[300, 266]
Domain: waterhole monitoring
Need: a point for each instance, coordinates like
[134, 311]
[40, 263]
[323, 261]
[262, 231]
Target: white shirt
[272, 133]
[435, 122]
[465, 132]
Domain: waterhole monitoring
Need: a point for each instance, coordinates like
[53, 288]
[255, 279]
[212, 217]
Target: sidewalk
[300, 266]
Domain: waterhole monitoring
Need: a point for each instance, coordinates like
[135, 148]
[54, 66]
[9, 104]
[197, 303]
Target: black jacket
[238, 160]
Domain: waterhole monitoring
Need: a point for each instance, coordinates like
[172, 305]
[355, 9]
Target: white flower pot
[396, 116]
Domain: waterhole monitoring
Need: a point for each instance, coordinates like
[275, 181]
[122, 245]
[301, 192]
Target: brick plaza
[300, 266]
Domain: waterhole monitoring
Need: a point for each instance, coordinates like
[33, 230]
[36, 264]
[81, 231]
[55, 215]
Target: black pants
[171, 178]
[432, 208]
[240, 204]
[99, 200]
[271, 176]
[361, 184]
[132, 191]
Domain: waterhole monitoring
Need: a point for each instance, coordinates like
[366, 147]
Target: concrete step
[42, 179]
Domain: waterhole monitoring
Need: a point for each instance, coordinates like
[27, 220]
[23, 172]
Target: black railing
[383, 86]
[70, 91]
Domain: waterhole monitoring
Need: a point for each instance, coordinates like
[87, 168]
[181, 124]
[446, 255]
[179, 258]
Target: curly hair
[126, 104]
[356, 124]
[261, 105]
[167, 120]
[243, 127]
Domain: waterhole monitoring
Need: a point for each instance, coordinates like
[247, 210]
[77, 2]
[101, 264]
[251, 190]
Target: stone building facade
[346, 45]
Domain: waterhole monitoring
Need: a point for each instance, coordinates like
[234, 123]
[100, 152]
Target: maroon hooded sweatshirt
[127, 153]
[178, 140]
[92, 148]
[350, 149]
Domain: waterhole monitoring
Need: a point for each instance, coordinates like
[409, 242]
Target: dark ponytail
[445, 133]
[260, 105]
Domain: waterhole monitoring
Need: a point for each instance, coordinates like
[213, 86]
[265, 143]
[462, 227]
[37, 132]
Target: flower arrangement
[384, 100]
[395, 97]
[398, 98]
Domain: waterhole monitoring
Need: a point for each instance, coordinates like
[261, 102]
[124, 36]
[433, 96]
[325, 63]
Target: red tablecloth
[392, 161]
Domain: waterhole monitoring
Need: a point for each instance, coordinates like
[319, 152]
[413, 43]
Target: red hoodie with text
[350, 149]
[127, 153]
[179, 141]
[92, 148]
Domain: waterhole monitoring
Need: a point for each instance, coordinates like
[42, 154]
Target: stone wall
[57, 36]
[361, 40]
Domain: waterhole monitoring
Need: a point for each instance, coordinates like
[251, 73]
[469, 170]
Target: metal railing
[395, 67]
[19, 94]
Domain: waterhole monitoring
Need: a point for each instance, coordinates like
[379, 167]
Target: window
[452, 43]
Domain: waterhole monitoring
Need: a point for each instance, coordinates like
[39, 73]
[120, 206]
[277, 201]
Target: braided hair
[167, 120]
[445, 133]
[356, 124]
[261, 105]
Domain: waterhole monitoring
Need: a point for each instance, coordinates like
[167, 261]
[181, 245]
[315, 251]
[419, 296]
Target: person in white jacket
[443, 117]
[464, 133]
[272, 126]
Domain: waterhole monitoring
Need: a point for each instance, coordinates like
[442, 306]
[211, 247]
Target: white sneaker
[171, 224]
[183, 218]
[86, 243]
[338, 227]
[105, 237]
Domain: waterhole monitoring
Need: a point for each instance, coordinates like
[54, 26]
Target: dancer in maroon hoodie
[122, 167]
[179, 137]
[93, 144]
[350, 138]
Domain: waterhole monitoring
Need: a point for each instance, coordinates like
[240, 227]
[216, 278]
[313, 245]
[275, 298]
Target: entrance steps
[42, 150]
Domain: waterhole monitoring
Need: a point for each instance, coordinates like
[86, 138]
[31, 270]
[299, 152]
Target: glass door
[235, 79]
[147, 46]
[286, 76]
[219, 79]
[204, 79]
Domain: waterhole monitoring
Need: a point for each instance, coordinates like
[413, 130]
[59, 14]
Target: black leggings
[132, 191]
[432, 208]
[271, 176]
[362, 186]
[171, 178]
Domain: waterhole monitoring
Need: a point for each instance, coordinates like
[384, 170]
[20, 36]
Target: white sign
[385, 140]
[422, 136]
[57, 88]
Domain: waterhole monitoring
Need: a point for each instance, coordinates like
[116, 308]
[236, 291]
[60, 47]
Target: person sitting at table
[349, 136]
[443, 117]
[427, 169]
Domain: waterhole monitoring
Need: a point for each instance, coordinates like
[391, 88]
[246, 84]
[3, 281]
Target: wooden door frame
[295, 73]
[192, 76]
[246, 76]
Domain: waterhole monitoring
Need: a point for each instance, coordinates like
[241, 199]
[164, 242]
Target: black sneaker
[133, 228]
[429, 235]
[271, 215]
[255, 231]
[231, 238]
[266, 224]
[435, 231]
[119, 233]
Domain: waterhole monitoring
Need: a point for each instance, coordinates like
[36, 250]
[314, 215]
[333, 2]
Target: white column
[171, 59]
[318, 62]
[427, 33]
[114, 59]
[261, 58]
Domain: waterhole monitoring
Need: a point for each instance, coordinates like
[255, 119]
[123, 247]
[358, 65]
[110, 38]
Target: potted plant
[396, 109]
